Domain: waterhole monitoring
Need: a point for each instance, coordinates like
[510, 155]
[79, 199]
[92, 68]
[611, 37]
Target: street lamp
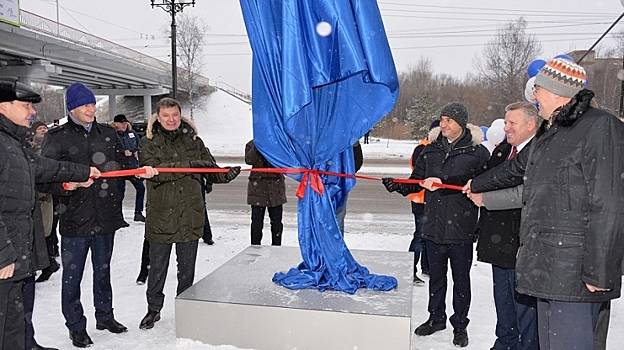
[173, 7]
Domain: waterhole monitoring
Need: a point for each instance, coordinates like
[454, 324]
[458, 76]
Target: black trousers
[257, 223]
[460, 256]
[145, 259]
[29, 306]
[12, 324]
[186, 253]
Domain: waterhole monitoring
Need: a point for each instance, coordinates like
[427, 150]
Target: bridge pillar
[147, 106]
[112, 106]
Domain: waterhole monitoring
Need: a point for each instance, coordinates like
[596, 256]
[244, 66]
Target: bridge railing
[44, 25]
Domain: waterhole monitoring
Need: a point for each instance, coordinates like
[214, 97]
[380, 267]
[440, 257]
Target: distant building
[603, 75]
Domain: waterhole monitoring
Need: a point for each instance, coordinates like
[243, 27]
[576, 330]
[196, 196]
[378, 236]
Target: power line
[584, 15]
[490, 9]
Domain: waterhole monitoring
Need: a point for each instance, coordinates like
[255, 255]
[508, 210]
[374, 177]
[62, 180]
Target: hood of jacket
[475, 131]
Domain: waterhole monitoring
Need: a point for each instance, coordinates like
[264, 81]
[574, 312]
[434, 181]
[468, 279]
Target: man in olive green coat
[175, 206]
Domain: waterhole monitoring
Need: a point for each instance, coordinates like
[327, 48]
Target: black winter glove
[202, 164]
[233, 173]
[391, 186]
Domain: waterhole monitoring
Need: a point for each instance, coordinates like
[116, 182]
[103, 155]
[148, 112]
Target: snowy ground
[226, 127]
[232, 235]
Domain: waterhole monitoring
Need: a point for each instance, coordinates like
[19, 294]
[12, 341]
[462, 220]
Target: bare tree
[504, 60]
[191, 34]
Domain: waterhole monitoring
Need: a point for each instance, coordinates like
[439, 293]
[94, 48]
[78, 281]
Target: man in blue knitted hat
[90, 216]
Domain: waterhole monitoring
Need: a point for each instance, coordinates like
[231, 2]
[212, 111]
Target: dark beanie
[457, 112]
[77, 95]
[434, 124]
[120, 118]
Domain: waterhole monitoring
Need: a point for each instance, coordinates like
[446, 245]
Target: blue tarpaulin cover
[323, 75]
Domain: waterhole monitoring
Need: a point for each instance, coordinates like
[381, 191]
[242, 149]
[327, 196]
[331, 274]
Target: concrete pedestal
[238, 304]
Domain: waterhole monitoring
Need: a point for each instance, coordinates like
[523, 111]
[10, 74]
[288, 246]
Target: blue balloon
[484, 129]
[534, 67]
[565, 56]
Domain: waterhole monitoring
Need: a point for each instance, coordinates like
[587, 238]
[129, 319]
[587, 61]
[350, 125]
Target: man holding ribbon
[175, 205]
[89, 216]
[450, 218]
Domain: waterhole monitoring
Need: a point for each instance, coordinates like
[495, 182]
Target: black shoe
[48, 271]
[148, 321]
[55, 251]
[139, 217]
[460, 337]
[209, 242]
[417, 281]
[111, 325]
[39, 347]
[142, 277]
[80, 338]
[124, 224]
[430, 327]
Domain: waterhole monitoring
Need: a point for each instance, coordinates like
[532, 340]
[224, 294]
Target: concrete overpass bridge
[43, 51]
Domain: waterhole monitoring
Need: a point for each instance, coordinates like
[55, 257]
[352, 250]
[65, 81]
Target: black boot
[418, 281]
[48, 271]
[139, 217]
[460, 337]
[430, 327]
[148, 321]
[142, 276]
[80, 338]
[111, 325]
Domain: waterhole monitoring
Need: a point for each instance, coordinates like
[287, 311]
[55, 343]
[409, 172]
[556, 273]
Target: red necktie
[513, 154]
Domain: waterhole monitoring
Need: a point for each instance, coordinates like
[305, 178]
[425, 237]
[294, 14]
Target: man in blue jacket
[129, 142]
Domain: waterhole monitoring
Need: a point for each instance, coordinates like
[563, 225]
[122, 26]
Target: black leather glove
[202, 164]
[391, 186]
[233, 173]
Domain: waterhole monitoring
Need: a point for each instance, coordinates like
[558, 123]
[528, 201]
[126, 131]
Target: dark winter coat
[96, 209]
[129, 141]
[450, 217]
[264, 189]
[175, 205]
[572, 229]
[499, 230]
[20, 169]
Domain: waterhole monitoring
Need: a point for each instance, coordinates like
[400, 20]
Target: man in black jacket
[90, 216]
[516, 314]
[20, 169]
[450, 218]
[571, 241]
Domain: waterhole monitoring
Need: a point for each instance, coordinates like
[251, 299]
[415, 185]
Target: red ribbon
[313, 177]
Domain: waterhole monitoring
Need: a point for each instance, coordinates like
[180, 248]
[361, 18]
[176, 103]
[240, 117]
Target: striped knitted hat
[562, 77]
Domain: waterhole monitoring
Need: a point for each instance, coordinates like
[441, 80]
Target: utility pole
[173, 7]
[621, 75]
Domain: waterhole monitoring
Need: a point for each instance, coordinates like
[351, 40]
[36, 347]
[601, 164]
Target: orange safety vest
[417, 197]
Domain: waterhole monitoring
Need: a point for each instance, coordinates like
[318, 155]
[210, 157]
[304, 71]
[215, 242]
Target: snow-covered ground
[225, 129]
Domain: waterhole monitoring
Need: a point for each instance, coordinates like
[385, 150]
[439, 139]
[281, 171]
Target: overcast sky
[449, 32]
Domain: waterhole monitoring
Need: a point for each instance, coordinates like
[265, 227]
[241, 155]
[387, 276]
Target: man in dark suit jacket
[499, 230]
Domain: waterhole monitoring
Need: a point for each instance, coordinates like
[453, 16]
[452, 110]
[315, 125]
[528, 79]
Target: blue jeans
[138, 187]
[570, 325]
[73, 257]
[516, 314]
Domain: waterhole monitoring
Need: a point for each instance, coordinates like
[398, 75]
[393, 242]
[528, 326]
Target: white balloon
[528, 89]
[496, 132]
[488, 145]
